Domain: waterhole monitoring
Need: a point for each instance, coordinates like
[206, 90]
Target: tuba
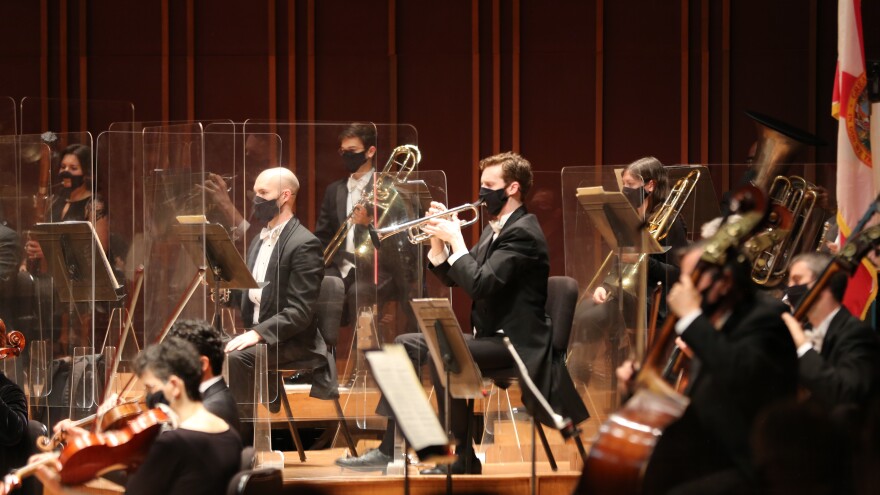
[658, 228]
[403, 161]
[777, 143]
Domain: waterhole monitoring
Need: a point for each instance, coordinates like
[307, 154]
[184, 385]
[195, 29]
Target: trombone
[413, 227]
[406, 158]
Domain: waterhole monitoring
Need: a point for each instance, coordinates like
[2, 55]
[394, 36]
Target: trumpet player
[505, 275]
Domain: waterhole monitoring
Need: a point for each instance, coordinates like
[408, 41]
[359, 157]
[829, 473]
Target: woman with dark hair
[646, 186]
[77, 199]
[202, 454]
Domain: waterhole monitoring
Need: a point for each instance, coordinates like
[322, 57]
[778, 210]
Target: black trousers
[490, 355]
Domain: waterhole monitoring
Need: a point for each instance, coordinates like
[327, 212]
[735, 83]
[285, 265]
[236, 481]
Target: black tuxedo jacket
[332, 211]
[848, 368]
[507, 281]
[287, 320]
[750, 363]
[218, 400]
[10, 258]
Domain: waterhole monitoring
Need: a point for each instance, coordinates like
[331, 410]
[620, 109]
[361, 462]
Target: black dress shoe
[301, 377]
[456, 467]
[372, 460]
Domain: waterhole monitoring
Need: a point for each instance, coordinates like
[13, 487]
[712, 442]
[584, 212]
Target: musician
[10, 251]
[646, 186]
[745, 360]
[395, 278]
[76, 201]
[505, 275]
[839, 358]
[15, 443]
[209, 342]
[357, 148]
[282, 313]
[202, 454]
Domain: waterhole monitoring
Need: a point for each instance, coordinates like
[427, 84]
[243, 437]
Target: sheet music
[397, 379]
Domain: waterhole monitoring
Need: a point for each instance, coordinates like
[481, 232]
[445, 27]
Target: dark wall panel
[434, 87]
[642, 99]
[558, 83]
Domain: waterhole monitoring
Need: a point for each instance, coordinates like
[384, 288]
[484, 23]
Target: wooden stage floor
[320, 475]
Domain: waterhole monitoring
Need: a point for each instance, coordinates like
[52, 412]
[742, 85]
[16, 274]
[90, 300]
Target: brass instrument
[658, 228]
[799, 197]
[413, 227]
[406, 158]
[777, 144]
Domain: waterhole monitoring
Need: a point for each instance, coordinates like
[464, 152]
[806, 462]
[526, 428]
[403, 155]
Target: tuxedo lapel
[516, 215]
[341, 200]
[252, 253]
[483, 246]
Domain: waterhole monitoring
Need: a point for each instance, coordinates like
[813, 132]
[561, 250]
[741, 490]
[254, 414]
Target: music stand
[397, 380]
[209, 243]
[459, 374]
[74, 254]
[623, 230]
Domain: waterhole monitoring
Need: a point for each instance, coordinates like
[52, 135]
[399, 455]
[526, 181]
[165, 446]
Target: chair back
[562, 294]
[255, 482]
[329, 309]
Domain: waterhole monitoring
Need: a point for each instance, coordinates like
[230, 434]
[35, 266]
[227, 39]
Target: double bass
[620, 456]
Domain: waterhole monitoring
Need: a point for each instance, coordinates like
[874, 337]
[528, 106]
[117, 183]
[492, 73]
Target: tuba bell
[777, 144]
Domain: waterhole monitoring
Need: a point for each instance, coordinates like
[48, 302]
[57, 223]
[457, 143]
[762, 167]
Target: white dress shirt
[816, 336]
[269, 238]
[355, 191]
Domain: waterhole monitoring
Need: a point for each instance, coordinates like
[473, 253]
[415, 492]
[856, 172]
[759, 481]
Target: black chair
[329, 312]
[255, 482]
[562, 295]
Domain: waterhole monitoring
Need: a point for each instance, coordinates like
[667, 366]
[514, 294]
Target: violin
[14, 342]
[89, 456]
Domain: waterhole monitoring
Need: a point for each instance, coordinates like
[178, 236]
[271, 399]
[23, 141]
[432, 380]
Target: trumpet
[413, 227]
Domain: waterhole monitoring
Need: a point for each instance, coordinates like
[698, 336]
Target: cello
[620, 456]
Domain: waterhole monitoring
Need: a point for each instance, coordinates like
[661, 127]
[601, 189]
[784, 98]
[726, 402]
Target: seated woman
[202, 454]
[646, 186]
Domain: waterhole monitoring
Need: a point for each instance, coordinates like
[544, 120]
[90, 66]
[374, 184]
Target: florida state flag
[855, 183]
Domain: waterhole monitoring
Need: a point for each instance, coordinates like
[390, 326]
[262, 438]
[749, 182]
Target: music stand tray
[210, 243]
[617, 221]
[402, 389]
[75, 255]
[435, 317]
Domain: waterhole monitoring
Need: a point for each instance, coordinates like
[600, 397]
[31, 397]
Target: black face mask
[156, 398]
[75, 180]
[794, 293]
[635, 195]
[265, 209]
[494, 199]
[353, 161]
